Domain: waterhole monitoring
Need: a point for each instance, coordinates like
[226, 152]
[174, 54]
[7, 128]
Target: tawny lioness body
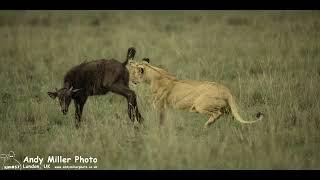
[203, 97]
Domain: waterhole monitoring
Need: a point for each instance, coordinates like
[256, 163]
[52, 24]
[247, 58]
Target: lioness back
[184, 93]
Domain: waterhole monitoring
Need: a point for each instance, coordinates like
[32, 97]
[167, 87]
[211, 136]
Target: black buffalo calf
[97, 78]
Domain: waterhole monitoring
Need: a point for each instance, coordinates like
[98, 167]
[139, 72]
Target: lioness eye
[141, 70]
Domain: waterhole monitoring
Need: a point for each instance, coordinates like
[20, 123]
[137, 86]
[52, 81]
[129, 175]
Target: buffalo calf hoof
[140, 120]
[77, 125]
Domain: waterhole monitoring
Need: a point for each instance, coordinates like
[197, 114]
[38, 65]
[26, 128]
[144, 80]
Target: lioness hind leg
[212, 118]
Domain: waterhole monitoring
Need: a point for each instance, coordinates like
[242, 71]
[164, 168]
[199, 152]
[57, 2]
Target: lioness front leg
[158, 98]
[159, 107]
[212, 118]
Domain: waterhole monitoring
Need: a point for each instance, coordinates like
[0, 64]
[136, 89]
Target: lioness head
[137, 71]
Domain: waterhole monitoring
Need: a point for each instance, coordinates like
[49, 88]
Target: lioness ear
[146, 60]
[53, 95]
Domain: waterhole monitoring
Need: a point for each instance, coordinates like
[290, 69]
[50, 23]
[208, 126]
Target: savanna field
[269, 59]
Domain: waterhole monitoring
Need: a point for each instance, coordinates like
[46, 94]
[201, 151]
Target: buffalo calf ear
[53, 95]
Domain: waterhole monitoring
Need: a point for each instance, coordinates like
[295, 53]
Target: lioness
[204, 97]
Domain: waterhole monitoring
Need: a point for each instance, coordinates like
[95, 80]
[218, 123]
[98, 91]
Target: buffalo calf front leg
[79, 103]
[130, 95]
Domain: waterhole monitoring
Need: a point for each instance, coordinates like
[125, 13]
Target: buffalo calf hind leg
[136, 112]
[133, 111]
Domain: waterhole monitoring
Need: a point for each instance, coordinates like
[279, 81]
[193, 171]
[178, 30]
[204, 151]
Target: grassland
[270, 60]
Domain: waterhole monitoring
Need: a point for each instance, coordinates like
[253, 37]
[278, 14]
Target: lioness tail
[236, 114]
